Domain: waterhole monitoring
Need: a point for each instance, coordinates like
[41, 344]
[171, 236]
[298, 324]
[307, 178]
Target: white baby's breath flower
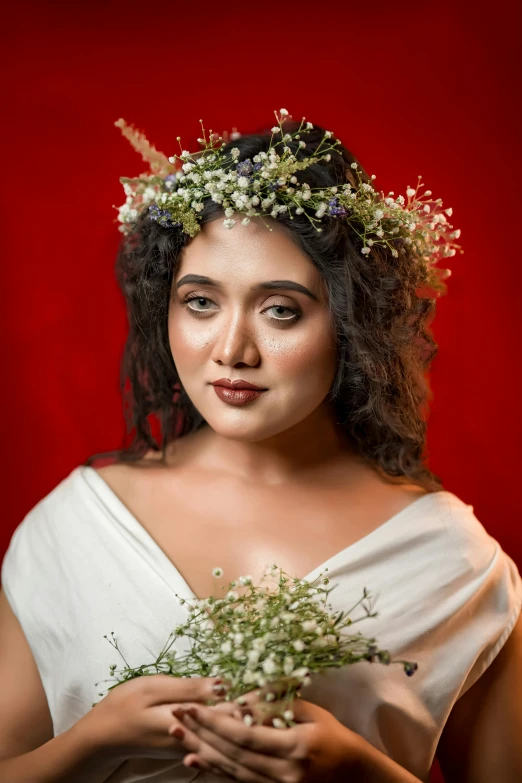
[365, 250]
[269, 666]
[283, 112]
[449, 211]
[229, 223]
[410, 192]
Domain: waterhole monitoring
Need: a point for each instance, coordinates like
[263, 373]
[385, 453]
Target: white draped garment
[80, 565]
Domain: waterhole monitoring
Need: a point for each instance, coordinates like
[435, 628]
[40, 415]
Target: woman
[321, 466]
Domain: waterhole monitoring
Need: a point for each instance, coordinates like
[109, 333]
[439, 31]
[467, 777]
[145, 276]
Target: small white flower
[365, 250]
[378, 214]
[269, 666]
[278, 723]
[248, 720]
[449, 211]
[235, 152]
[298, 645]
[410, 192]
[226, 647]
[426, 208]
[275, 129]
[288, 715]
[283, 112]
[455, 234]
[427, 192]
[353, 165]
[229, 223]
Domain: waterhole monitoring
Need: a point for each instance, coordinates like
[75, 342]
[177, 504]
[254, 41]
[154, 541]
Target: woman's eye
[296, 313]
[196, 299]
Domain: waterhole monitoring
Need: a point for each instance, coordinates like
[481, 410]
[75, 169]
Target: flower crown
[173, 193]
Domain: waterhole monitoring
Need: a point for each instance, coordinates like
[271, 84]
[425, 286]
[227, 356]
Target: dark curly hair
[380, 393]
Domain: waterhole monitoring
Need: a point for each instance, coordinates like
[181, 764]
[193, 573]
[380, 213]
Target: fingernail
[195, 763]
[178, 732]
[179, 712]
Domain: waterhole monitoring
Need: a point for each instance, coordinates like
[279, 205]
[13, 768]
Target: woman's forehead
[249, 253]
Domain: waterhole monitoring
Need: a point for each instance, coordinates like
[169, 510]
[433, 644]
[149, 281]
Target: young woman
[321, 464]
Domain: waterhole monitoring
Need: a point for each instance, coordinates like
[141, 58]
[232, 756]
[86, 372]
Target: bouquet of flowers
[264, 637]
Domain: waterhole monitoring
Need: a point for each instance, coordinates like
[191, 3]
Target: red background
[409, 87]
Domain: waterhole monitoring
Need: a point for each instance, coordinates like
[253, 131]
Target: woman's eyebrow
[267, 285]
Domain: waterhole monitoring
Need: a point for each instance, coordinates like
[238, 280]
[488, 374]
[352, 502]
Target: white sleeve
[495, 600]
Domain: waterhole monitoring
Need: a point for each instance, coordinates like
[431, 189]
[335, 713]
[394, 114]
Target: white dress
[80, 565]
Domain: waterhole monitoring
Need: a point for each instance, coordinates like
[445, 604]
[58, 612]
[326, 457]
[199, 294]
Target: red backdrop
[409, 87]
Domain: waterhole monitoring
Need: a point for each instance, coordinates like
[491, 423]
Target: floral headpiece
[174, 190]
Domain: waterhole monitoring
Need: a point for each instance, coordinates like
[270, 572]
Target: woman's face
[236, 327]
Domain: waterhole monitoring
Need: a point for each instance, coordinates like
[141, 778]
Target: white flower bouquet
[264, 637]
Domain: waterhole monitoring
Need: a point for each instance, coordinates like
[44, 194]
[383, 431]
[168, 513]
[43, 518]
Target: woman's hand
[134, 718]
[318, 748]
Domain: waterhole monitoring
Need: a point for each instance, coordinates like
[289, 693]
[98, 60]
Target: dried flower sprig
[264, 637]
[266, 185]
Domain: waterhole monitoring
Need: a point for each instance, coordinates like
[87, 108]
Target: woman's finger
[238, 737]
[216, 752]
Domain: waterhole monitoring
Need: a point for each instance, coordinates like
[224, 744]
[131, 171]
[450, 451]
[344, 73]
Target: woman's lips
[237, 396]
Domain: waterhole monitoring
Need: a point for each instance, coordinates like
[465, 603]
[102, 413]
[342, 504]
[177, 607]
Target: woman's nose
[235, 343]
